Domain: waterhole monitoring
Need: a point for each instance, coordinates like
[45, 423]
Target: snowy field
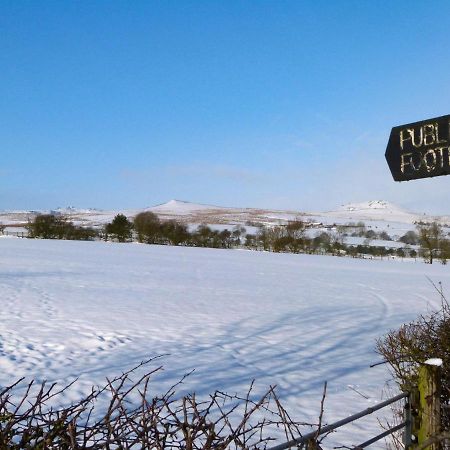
[94, 309]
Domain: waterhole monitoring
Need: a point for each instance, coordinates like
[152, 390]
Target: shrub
[51, 226]
[147, 227]
[370, 234]
[48, 226]
[250, 241]
[238, 232]
[410, 237]
[174, 232]
[81, 233]
[202, 237]
[412, 344]
[384, 236]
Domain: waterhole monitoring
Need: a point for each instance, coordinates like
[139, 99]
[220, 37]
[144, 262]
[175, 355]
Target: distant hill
[376, 213]
[374, 210]
[180, 207]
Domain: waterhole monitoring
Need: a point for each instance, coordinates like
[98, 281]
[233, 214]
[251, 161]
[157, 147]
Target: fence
[310, 438]
[21, 234]
[421, 422]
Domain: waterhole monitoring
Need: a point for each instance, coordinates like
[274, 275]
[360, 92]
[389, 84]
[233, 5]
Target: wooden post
[427, 407]
[313, 445]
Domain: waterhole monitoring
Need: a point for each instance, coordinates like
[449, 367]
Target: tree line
[51, 226]
[146, 227]
[149, 229]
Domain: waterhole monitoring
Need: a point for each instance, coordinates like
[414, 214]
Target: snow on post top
[434, 362]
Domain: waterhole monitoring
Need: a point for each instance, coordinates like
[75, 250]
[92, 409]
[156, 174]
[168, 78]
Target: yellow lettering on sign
[430, 167]
[409, 134]
[428, 134]
[420, 163]
[438, 141]
[440, 151]
[420, 142]
[403, 138]
[406, 160]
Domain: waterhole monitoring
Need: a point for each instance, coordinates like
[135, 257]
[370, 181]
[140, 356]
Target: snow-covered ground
[94, 309]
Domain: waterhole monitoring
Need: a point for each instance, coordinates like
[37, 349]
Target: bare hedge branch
[134, 420]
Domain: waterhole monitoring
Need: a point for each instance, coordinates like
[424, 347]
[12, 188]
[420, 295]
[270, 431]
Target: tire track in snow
[312, 355]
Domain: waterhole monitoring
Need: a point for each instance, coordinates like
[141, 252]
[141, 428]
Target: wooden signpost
[419, 149]
[422, 150]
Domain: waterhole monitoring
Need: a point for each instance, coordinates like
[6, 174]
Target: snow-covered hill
[375, 209]
[376, 214]
[180, 207]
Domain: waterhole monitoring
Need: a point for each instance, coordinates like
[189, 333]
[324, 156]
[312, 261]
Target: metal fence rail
[333, 426]
[380, 436]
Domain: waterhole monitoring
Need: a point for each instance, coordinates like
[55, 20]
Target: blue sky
[281, 104]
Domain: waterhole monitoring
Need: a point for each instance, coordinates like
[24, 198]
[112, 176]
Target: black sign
[420, 149]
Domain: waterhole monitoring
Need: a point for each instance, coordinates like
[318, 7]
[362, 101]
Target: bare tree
[430, 240]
